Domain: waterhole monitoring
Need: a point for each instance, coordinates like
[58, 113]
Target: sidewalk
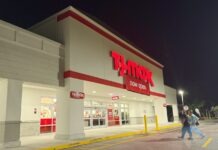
[47, 140]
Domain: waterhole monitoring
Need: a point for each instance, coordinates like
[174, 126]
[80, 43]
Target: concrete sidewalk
[47, 140]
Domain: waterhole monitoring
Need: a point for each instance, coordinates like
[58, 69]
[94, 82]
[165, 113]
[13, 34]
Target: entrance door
[113, 114]
[87, 117]
[95, 117]
[124, 114]
[98, 117]
[170, 113]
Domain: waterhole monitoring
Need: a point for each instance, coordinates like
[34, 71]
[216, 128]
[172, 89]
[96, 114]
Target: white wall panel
[171, 95]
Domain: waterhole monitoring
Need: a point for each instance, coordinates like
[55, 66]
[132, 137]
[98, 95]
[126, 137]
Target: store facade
[101, 65]
[90, 78]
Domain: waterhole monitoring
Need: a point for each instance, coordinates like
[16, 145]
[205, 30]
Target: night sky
[182, 35]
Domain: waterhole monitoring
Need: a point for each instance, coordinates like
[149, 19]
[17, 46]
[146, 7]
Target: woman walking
[193, 120]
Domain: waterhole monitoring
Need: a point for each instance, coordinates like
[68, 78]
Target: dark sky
[182, 35]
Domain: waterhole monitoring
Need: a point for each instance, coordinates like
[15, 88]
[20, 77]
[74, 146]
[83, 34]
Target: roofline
[82, 18]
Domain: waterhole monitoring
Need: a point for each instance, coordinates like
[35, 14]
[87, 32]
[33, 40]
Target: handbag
[197, 123]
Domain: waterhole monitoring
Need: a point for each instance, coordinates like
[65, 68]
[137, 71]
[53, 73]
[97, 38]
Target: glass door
[102, 118]
[94, 117]
[98, 117]
[124, 114]
[87, 117]
[47, 115]
[113, 114]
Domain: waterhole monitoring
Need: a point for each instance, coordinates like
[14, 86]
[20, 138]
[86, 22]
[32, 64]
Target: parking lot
[167, 140]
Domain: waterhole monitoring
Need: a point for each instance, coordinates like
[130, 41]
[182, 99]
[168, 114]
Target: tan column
[70, 111]
[10, 112]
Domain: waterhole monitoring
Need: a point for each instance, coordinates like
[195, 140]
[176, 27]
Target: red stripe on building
[81, 76]
[158, 94]
[79, 18]
[73, 74]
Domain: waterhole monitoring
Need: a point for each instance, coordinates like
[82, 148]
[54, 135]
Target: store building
[88, 78]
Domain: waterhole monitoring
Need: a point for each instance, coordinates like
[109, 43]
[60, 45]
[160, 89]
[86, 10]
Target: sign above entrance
[115, 97]
[137, 77]
[77, 95]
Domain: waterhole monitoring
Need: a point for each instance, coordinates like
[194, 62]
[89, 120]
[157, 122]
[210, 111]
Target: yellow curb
[207, 143]
[95, 140]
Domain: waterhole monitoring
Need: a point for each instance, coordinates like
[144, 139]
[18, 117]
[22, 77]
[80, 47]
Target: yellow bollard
[145, 124]
[157, 124]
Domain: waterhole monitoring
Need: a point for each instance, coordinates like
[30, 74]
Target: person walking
[193, 121]
[185, 125]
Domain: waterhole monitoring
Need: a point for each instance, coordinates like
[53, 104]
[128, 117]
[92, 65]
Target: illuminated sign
[137, 77]
[115, 97]
[77, 95]
[139, 86]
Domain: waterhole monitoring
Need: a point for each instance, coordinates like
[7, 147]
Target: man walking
[185, 126]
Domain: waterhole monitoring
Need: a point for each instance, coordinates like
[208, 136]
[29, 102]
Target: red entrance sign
[136, 85]
[77, 95]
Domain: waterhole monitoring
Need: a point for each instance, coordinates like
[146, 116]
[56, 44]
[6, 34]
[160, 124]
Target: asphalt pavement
[166, 140]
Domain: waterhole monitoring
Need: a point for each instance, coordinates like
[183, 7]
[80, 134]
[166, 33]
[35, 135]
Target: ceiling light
[111, 94]
[93, 91]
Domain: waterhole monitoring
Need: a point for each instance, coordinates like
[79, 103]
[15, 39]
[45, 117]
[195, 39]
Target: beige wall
[88, 52]
[29, 57]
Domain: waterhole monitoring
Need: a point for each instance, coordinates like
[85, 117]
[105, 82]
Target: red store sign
[137, 78]
[77, 95]
[136, 85]
[115, 97]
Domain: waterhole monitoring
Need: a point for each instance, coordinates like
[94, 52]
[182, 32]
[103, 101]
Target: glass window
[87, 113]
[95, 103]
[87, 103]
[115, 105]
[45, 112]
[94, 113]
[48, 100]
[104, 113]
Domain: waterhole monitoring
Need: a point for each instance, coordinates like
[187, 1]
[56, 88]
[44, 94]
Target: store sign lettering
[131, 68]
[137, 77]
[139, 86]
